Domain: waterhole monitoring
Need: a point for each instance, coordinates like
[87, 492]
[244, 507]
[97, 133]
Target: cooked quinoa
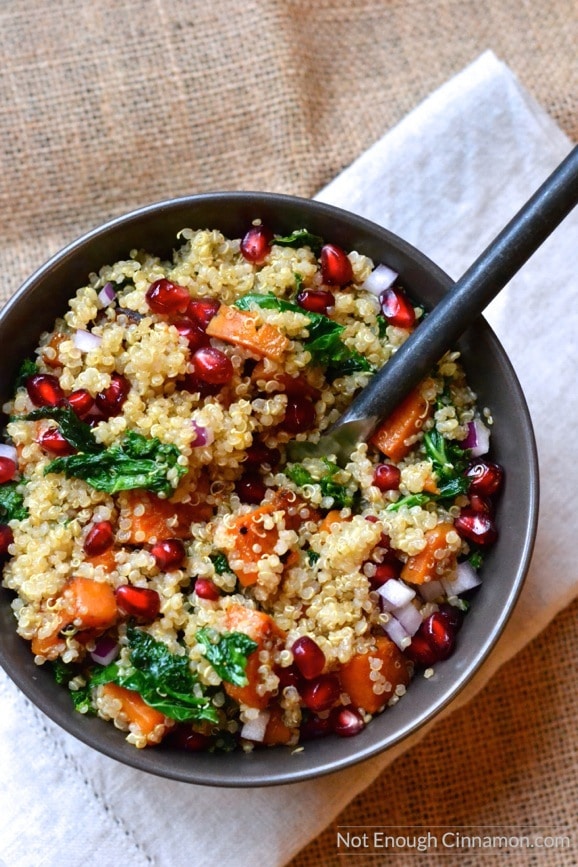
[183, 578]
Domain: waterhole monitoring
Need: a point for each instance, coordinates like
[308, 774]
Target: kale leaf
[220, 562]
[74, 431]
[27, 368]
[449, 462]
[300, 238]
[324, 341]
[12, 506]
[162, 679]
[301, 476]
[137, 462]
[227, 652]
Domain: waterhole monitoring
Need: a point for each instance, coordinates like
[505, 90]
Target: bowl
[43, 297]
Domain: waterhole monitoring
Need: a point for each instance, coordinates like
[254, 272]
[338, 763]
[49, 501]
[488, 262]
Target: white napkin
[447, 179]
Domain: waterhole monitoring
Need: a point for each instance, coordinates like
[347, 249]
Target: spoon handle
[441, 328]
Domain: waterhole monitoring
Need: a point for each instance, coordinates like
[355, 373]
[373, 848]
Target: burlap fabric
[106, 106]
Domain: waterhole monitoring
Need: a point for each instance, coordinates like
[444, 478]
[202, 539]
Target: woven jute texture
[106, 106]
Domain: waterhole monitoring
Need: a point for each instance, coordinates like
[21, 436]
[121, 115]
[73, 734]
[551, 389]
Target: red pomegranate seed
[440, 633]
[193, 384]
[169, 554]
[308, 656]
[44, 389]
[452, 615]
[485, 477]
[260, 454]
[185, 738]
[212, 366]
[300, 415]
[256, 245]
[250, 488]
[7, 470]
[478, 503]
[315, 727]
[322, 693]
[192, 332]
[99, 538]
[110, 401]
[420, 650]
[6, 538]
[396, 308]
[386, 477]
[289, 676]
[347, 722]
[476, 527]
[316, 300]
[81, 402]
[384, 572]
[336, 268]
[207, 589]
[166, 297]
[52, 441]
[138, 602]
[202, 311]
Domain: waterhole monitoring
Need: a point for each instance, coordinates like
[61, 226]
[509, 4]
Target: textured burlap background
[105, 106]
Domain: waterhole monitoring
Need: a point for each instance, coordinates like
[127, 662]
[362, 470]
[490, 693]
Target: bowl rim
[150, 760]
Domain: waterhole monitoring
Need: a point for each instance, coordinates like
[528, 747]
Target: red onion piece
[9, 452]
[466, 579]
[380, 279]
[204, 436]
[478, 438]
[105, 650]
[86, 340]
[395, 594]
[254, 729]
[107, 294]
[409, 617]
[398, 634]
[431, 590]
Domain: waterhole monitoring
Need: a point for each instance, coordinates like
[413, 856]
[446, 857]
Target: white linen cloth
[447, 178]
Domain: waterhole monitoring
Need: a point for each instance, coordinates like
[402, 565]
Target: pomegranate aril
[111, 400]
[6, 538]
[81, 402]
[289, 676]
[336, 268]
[316, 300]
[387, 477]
[440, 633]
[347, 722]
[166, 297]
[192, 332]
[138, 602]
[260, 454]
[384, 572]
[256, 244]
[485, 477]
[452, 615]
[299, 416]
[420, 650]
[52, 441]
[308, 656]
[396, 308]
[479, 503]
[202, 311]
[476, 527]
[44, 389]
[7, 470]
[169, 554]
[315, 727]
[321, 693]
[99, 538]
[193, 384]
[185, 738]
[212, 366]
[207, 589]
[250, 488]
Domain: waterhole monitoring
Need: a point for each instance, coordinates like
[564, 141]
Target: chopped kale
[300, 238]
[74, 431]
[227, 652]
[409, 501]
[220, 562]
[449, 462]
[82, 700]
[301, 476]
[312, 556]
[476, 559]
[137, 462]
[162, 679]
[12, 506]
[27, 368]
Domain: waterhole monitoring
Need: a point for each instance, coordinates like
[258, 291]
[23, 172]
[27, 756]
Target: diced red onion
[7, 451]
[380, 279]
[254, 729]
[395, 594]
[394, 630]
[431, 590]
[409, 617]
[466, 579]
[105, 650]
[478, 438]
[107, 294]
[86, 340]
[204, 436]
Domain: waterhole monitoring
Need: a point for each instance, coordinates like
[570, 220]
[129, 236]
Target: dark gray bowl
[154, 228]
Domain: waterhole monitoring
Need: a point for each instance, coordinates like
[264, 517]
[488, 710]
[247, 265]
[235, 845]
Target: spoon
[441, 328]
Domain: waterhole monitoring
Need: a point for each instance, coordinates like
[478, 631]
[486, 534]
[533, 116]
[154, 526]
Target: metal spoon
[439, 331]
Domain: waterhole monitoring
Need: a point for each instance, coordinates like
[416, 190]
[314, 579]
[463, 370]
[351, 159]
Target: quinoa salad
[182, 577]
